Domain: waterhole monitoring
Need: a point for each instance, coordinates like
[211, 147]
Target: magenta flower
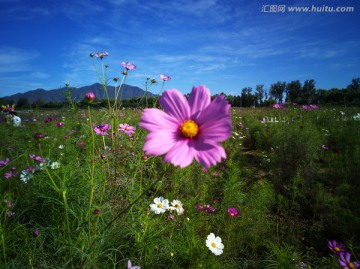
[165, 77]
[59, 124]
[188, 129]
[11, 173]
[5, 162]
[36, 158]
[336, 247]
[278, 106]
[126, 128]
[205, 208]
[102, 129]
[233, 212]
[90, 97]
[101, 54]
[344, 261]
[128, 66]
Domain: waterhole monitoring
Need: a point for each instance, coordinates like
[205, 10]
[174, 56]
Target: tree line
[294, 92]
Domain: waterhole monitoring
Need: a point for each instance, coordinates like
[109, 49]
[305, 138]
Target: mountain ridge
[58, 95]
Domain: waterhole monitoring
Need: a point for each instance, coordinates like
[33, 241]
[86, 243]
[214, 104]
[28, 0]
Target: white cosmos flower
[160, 205]
[55, 165]
[61, 147]
[214, 244]
[177, 206]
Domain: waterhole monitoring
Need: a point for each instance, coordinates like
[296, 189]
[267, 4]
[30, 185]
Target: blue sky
[226, 44]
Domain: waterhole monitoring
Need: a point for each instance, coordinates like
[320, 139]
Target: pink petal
[175, 104]
[154, 119]
[159, 142]
[181, 154]
[215, 121]
[208, 154]
[199, 99]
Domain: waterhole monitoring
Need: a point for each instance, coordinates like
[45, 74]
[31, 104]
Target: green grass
[292, 195]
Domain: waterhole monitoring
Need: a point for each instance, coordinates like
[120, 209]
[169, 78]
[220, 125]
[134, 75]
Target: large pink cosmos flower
[188, 129]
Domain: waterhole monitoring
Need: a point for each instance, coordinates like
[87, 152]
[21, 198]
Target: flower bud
[36, 233]
[97, 212]
[39, 136]
[90, 96]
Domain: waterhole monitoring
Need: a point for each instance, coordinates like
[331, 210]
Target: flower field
[184, 182]
[79, 191]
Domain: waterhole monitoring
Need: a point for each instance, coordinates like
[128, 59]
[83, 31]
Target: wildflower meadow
[179, 182]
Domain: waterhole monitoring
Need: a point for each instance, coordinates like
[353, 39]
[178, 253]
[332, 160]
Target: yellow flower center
[159, 205]
[213, 245]
[351, 265]
[176, 205]
[189, 128]
[337, 249]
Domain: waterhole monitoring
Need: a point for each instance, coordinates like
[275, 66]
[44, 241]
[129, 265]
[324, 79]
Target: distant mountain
[58, 95]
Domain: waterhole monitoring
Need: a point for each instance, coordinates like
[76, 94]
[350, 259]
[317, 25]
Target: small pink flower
[11, 173]
[5, 162]
[336, 247]
[165, 77]
[90, 97]
[233, 212]
[102, 129]
[59, 124]
[126, 128]
[101, 54]
[345, 262]
[205, 208]
[128, 66]
[278, 106]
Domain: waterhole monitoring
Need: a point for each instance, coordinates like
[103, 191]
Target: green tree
[247, 98]
[308, 91]
[277, 91]
[355, 85]
[293, 91]
[260, 92]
